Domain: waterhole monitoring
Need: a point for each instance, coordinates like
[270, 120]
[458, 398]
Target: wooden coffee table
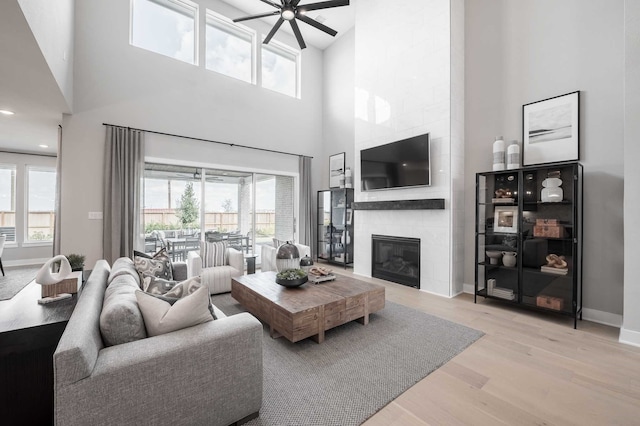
[308, 310]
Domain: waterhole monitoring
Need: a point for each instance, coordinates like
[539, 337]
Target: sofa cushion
[158, 266]
[123, 266]
[120, 319]
[213, 254]
[162, 316]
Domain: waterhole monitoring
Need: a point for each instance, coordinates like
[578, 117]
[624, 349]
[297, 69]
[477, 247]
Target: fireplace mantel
[424, 204]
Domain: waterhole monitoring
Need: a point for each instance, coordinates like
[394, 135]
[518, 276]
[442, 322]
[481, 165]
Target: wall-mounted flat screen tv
[398, 164]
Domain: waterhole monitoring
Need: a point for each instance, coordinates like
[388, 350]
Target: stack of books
[503, 293]
[552, 270]
[503, 200]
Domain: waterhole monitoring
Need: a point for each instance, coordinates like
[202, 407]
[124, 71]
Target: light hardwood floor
[528, 368]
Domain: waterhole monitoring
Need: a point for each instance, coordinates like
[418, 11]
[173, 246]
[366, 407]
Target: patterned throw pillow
[155, 285]
[157, 266]
[213, 254]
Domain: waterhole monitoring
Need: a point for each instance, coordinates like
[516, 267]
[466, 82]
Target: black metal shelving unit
[335, 226]
[511, 217]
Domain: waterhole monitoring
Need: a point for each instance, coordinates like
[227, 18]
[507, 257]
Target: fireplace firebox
[396, 259]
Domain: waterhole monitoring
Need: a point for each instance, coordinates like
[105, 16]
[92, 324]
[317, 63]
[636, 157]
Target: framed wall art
[551, 130]
[505, 219]
[336, 168]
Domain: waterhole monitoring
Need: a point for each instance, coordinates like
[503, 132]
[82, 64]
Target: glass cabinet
[529, 237]
[335, 225]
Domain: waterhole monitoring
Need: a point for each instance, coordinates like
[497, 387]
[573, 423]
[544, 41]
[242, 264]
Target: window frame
[13, 167]
[284, 50]
[177, 6]
[227, 25]
[27, 177]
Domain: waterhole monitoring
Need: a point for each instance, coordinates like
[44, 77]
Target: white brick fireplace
[409, 78]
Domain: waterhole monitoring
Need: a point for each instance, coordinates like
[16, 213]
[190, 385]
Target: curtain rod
[208, 140]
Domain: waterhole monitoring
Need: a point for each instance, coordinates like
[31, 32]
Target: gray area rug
[16, 279]
[357, 370]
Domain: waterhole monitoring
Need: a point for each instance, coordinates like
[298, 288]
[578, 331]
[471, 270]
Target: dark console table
[29, 334]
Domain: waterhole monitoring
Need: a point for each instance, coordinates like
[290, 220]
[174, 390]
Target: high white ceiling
[27, 88]
[340, 19]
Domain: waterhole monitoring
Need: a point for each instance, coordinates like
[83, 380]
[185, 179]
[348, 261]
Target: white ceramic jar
[513, 156]
[498, 154]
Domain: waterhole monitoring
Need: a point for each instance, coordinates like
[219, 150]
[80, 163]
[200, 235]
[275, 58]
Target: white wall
[404, 86]
[525, 51]
[338, 103]
[52, 25]
[630, 332]
[337, 108]
[20, 252]
[120, 84]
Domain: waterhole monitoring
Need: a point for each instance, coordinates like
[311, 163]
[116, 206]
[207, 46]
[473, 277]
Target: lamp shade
[287, 257]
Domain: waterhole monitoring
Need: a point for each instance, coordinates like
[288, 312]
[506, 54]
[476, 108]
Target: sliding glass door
[230, 207]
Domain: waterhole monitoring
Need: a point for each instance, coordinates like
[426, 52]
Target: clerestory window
[168, 27]
[230, 48]
[280, 69]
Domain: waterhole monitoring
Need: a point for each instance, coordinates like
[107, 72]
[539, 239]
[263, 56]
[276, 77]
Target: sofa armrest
[303, 250]
[207, 374]
[236, 259]
[194, 264]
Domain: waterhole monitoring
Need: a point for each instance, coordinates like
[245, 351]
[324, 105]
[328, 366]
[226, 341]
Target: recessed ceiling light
[320, 19]
[6, 112]
[43, 146]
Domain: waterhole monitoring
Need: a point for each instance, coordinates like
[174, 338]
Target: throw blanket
[218, 279]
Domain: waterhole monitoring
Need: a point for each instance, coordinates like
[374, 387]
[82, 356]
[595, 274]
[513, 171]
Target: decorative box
[549, 231]
[68, 285]
[545, 222]
[549, 302]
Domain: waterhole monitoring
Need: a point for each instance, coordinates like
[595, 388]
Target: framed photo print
[505, 219]
[336, 168]
[550, 130]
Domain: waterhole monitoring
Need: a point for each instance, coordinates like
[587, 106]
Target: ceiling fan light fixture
[288, 14]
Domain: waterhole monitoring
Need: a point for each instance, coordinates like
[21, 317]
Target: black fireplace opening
[396, 259]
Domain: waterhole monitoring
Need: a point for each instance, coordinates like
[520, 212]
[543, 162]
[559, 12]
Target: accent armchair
[217, 278]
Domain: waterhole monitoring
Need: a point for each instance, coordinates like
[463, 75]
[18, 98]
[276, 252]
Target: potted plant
[76, 261]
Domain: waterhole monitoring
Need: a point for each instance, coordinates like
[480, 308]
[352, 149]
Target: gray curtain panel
[58, 213]
[124, 168]
[307, 236]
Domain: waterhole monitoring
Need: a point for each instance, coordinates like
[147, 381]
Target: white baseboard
[25, 262]
[468, 288]
[629, 337]
[601, 317]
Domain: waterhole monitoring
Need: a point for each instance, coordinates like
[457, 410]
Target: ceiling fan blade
[296, 31]
[317, 24]
[323, 5]
[273, 31]
[270, 3]
[262, 15]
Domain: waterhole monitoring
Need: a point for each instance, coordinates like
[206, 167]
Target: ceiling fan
[289, 10]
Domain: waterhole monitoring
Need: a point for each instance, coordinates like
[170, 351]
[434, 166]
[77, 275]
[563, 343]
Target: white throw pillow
[161, 317]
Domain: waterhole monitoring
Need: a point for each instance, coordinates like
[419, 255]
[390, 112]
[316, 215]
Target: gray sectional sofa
[207, 374]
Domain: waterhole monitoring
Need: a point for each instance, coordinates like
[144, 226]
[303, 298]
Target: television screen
[396, 165]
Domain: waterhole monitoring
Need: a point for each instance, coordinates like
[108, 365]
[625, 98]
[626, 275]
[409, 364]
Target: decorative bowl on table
[291, 277]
